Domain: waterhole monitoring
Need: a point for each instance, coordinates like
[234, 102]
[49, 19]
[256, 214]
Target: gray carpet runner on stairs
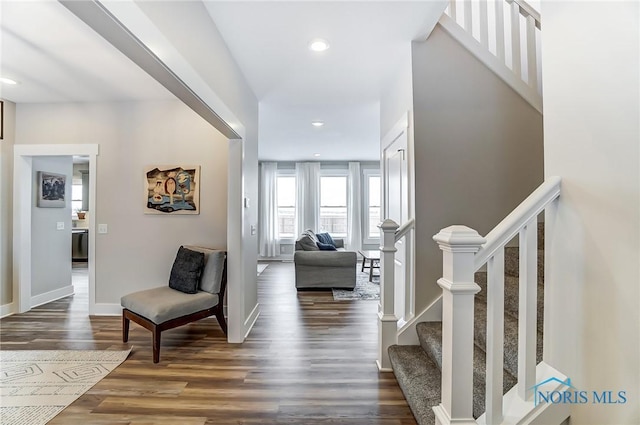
[417, 367]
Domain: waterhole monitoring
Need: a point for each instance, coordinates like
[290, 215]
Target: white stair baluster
[527, 313]
[532, 63]
[468, 18]
[484, 24]
[452, 9]
[495, 337]
[500, 30]
[516, 66]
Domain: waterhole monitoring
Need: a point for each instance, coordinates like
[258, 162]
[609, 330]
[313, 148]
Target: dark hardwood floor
[308, 360]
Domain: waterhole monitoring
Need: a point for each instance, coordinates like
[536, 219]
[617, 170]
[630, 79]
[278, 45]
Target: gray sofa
[316, 269]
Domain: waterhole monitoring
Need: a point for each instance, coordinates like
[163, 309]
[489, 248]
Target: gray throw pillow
[186, 270]
[307, 243]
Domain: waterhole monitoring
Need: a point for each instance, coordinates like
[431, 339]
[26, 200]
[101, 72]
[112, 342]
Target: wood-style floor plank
[308, 360]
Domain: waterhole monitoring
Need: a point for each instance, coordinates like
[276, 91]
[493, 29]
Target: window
[371, 205]
[286, 187]
[333, 205]
[76, 197]
[372, 210]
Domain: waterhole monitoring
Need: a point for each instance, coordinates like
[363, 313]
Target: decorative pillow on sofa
[186, 270]
[326, 246]
[306, 243]
[325, 238]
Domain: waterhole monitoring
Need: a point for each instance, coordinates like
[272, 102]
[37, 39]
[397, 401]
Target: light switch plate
[102, 228]
[253, 229]
[60, 225]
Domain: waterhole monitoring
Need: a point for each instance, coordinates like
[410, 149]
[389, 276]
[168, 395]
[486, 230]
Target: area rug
[37, 385]
[364, 289]
[261, 267]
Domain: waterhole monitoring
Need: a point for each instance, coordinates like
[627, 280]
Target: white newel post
[459, 245]
[388, 322]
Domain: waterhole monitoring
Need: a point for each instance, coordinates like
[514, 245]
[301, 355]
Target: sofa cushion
[211, 278]
[325, 246]
[186, 271]
[162, 304]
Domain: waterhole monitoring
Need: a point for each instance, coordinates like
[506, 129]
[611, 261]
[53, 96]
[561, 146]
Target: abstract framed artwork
[172, 190]
[51, 190]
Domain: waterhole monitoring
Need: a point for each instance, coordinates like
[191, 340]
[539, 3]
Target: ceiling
[58, 58]
[55, 57]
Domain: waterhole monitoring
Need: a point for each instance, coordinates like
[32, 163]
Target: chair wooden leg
[125, 328]
[156, 344]
[221, 320]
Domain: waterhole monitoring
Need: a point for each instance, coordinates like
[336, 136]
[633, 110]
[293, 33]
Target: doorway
[22, 213]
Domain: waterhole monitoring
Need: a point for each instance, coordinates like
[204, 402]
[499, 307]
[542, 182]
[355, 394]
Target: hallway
[308, 360]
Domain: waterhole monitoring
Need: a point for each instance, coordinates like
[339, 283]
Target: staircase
[418, 367]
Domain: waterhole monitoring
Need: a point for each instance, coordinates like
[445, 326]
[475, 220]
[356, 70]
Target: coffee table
[373, 257]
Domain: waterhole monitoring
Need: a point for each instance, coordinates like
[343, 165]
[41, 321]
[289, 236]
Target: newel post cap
[459, 238]
[389, 225]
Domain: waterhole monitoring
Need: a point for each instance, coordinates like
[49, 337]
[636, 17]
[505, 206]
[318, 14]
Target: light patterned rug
[364, 289]
[37, 385]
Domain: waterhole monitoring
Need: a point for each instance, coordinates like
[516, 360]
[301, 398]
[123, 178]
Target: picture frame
[172, 189]
[51, 190]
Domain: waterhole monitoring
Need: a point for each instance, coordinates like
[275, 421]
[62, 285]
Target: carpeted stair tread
[430, 337]
[510, 338]
[512, 262]
[511, 296]
[419, 378]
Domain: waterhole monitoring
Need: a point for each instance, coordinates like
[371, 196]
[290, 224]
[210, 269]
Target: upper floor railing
[509, 29]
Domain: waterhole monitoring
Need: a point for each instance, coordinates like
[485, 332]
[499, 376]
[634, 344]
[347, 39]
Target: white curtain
[307, 196]
[268, 239]
[354, 208]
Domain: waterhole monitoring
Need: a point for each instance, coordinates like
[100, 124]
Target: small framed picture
[51, 190]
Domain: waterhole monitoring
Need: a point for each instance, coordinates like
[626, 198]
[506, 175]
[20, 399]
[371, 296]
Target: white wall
[478, 150]
[50, 247]
[138, 250]
[592, 111]
[6, 207]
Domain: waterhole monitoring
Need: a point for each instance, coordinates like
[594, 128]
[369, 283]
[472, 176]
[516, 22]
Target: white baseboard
[251, 320]
[50, 296]
[7, 310]
[407, 334]
[106, 309]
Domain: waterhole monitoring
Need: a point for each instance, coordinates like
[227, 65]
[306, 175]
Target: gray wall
[50, 248]
[478, 150]
[592, 140]
[6, 205]
[139, 249]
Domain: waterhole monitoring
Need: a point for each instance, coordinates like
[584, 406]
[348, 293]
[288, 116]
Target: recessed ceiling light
[317, 123]
[318, 45]
[316, 155]
[7, 81]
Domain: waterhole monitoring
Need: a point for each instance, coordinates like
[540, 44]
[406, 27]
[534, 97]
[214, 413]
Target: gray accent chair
[163, 308]
[322, 270]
